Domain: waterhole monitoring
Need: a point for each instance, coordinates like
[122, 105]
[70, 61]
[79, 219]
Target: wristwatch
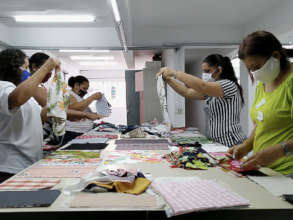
[175, 74]
[286, 149]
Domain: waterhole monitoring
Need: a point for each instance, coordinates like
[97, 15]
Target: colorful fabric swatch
[190, 140]
[26, 184]
[188, 158]
[57, 102]
[142, 144]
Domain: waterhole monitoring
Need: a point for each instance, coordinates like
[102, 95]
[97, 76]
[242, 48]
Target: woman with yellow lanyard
[272, 110]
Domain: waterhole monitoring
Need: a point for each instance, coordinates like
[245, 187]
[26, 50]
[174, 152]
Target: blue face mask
[25, 75]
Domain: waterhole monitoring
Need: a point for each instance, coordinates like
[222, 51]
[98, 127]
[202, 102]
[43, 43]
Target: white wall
[176, 104]
[5, 34]
[195, 116]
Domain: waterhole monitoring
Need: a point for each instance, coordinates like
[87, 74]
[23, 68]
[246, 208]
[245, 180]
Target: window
[113, 92]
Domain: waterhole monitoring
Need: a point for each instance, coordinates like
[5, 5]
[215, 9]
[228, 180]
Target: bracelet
[286, 149]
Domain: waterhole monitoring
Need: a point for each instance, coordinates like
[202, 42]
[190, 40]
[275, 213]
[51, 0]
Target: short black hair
[10, 62]
[38, 59]
[77, 79]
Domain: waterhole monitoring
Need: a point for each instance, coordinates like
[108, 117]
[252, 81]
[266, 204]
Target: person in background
[79, 86]
[35, 62]
[21, 134]
[272, 110]
[222, 93]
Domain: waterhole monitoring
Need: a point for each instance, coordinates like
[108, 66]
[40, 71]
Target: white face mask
[269, 72]
[207, 77]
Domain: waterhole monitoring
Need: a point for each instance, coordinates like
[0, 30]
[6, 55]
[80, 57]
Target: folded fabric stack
[118, 180]
[189, 158]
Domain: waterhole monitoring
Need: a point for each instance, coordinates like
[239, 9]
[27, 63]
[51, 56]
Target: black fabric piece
[288, 198]
[26, 199]
[97, 146]
[70, 135]
[4, 176]
[252, 173]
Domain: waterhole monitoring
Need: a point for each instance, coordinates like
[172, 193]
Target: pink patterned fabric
[109, 136]
[25, 184]
[197, 195]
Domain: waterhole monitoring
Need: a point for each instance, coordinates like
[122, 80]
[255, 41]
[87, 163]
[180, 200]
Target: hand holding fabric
[264, 157]
[97, 96]
[238, 151]
[166, 73]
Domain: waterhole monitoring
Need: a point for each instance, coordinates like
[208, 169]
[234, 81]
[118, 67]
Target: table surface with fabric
[262, 203]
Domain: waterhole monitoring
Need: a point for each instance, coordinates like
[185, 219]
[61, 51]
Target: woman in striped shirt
[222, 93]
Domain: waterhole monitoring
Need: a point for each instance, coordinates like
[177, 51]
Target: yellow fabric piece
[138, 186]
[274, 120]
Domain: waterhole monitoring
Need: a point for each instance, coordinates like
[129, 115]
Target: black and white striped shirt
[83, 125]
[224, 115]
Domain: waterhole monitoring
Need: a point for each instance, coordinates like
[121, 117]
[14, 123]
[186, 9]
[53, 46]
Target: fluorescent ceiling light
[54, 18]
[84, 51]
[92, 63]
[116, 11]
[288, 46]
[84, 57]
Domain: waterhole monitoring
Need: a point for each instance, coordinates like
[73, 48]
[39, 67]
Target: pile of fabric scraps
[125, 129]
[189, 158]
[118, 180]
[179, 140]
[230, 164]
[136, 133]
[160, 130]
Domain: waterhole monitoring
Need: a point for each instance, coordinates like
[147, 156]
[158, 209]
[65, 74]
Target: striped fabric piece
[81, 126]
[224, 121]
[109, 136]
[25, 184]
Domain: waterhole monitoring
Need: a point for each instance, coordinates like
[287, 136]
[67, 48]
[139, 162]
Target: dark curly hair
[10, 62]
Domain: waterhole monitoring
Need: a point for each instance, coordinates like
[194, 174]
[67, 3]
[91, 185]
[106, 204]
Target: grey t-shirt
[21, 134]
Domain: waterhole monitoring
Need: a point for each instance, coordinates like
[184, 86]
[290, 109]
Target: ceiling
[99, 8]
[147, 24]
[163, 13]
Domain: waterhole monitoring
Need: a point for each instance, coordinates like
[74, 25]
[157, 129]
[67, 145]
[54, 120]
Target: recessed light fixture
[85, 57]
[54, 18]
[93, 63]
[84, 51]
